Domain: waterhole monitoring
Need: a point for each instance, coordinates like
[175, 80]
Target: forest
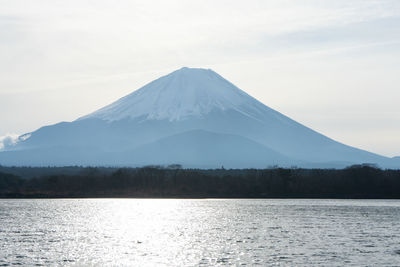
[358, 181]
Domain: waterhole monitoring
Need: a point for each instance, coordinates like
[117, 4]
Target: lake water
[149, 232]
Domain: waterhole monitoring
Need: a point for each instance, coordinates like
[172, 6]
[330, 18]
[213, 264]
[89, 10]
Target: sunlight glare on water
[148, 232]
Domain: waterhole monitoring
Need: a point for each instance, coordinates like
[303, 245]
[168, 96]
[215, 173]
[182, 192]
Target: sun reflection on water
[149, 232]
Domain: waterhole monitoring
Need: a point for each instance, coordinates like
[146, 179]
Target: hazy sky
[331, 65]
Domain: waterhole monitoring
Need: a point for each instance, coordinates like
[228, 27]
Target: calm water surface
[145, 232]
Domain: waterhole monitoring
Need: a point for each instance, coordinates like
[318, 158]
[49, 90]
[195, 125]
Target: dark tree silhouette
[358, 181]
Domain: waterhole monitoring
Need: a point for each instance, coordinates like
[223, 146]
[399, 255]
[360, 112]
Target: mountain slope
[199, 148]
[190, 102]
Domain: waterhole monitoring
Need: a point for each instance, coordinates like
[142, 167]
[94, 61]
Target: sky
[333, 66]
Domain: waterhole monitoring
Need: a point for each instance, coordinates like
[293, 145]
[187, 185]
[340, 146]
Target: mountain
[193, 117]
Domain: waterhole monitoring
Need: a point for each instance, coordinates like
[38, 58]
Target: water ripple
[145, 232]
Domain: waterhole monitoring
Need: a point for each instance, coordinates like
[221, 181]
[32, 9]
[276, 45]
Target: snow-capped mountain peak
[192, 117]
[183, 93]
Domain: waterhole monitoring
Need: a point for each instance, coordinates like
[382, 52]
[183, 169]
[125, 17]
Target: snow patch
[24, 137]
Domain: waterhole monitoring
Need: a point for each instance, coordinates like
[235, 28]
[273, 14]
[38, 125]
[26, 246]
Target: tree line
[360, 181]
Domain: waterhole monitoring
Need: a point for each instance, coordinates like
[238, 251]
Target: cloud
[8, 140]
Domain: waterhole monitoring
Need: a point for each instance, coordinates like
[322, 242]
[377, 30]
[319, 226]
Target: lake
[185, 232]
